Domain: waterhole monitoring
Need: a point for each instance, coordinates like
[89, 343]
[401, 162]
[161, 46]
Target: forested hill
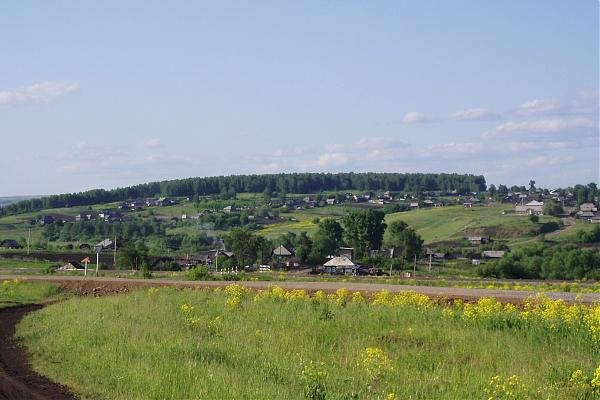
[282, 183]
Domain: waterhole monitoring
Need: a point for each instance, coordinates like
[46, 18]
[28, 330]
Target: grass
[456, 222]
[15, 291]
[175, 344]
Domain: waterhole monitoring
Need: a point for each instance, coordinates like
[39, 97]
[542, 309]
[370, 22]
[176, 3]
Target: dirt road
[17, 379]
[92, 285]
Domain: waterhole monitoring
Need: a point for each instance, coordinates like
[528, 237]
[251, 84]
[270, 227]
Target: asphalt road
[516, 296]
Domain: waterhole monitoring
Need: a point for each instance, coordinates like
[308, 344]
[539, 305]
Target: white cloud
[585, 102]
[153, 143]
[332, 160]
[544, 127]
[474, 114]
[540, 106]
[542, 161]
[417, 118]
[37, 93]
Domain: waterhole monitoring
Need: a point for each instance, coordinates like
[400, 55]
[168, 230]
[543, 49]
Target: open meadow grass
[15, 291]
[276, 344]
[457, 222]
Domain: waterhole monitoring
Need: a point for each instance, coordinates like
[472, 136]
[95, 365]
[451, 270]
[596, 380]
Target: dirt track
[17, 379]
[98, 286]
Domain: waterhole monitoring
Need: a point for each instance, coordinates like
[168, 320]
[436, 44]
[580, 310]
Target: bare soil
[18, 381]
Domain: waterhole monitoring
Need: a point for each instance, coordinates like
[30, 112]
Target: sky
[109, 94]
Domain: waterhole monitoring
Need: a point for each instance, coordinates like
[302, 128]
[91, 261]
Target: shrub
[198, 273]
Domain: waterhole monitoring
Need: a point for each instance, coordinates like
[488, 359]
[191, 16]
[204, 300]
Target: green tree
[552, 207]
[363, 230]
[399, 234]
[132, 255]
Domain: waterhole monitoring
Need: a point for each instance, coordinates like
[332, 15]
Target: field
[456, 222]
[174, 344]
[14, 292]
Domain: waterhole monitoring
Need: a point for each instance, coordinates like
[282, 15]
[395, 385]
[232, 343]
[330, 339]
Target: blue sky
[107, 94]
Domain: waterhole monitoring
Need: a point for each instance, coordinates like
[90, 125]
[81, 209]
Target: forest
[296, 183]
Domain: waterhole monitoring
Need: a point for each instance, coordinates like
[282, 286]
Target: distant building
[531, 208]
[10, 244]
[71, 266]
[340, 266]
[477, 240]
[493, 254]
[47, 220]
[588, 207]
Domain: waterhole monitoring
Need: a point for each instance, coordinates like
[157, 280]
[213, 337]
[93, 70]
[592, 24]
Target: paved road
[448, 292]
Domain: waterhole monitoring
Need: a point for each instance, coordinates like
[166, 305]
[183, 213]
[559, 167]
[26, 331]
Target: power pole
[28, 240]
[415, 267]
[115, 253]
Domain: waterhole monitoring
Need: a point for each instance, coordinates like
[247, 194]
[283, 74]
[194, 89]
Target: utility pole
[115, 253]
[28, 240]
[430, 256]
[415, 267]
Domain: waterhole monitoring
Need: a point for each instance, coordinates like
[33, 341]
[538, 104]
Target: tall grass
[16, 291]
[198, 344]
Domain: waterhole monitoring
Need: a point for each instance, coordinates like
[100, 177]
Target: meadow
[15, 292]
[235, 344]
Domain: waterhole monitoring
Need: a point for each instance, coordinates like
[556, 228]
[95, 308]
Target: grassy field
[13, 292]
[457, 222]
[197, 344]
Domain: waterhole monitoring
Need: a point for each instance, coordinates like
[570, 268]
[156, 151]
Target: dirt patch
[17, 380]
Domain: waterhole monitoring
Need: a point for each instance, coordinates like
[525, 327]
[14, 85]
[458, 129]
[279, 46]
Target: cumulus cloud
[417, 118]
[474, 114]
[37, 93]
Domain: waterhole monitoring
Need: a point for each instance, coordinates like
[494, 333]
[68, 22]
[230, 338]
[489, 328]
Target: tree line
[541, 261]
[363, 230]
[281, 183]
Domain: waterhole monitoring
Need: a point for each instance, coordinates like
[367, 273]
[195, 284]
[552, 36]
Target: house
[467, 204]
[493, 254]
[595, 219]
[184, 217]
[83, 217]
[437, 256]
[137, 204]
[588, 207]
[340, 266]
[71, 266]
[110, 215]
[229, 209]
[331, 202]
[413, 205]
[477, 240]
[281, 251]
[531, 208]
[428, 203]
[10, 244]
[284, 256]
[47, 220]
[208, 257]
[164, 201]
[585, 215]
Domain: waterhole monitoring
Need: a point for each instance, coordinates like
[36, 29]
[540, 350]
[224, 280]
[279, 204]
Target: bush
[198, 273]
[549, 227]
